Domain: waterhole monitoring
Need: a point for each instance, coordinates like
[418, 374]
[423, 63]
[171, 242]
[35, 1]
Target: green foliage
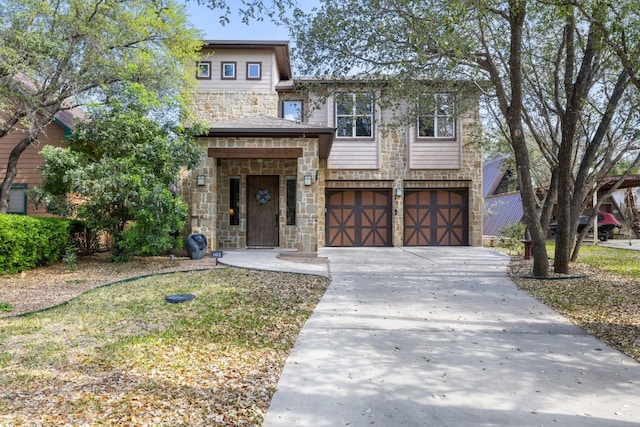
[6, 307]
[511, 236]
[61, 54]
[70, 258]
[619, 261]
[27, 242]
[119, 166]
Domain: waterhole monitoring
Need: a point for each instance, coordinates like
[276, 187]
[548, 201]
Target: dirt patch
[49, 286]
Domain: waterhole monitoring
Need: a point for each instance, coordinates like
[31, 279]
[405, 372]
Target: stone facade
[213, 106]
[210, 202]
[210, 212]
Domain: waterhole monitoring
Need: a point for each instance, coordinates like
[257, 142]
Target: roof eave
[325, 136]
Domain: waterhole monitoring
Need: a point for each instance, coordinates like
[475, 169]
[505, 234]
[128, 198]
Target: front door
[263, 215]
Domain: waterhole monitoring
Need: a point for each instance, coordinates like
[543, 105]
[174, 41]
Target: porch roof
[272, 127]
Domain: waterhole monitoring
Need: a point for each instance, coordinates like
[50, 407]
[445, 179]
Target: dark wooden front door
[262, 211]
[436, 217]
[358, 218]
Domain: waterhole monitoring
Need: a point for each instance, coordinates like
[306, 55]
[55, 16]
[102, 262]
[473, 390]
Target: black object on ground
[178, 298]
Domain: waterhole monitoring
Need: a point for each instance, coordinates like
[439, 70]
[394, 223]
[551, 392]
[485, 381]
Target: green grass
[5, 307]
[619, 261]
[122, 355]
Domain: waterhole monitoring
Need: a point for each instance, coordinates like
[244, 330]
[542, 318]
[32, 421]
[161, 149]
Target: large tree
[55, 55]
[120, 168]
[518, 46]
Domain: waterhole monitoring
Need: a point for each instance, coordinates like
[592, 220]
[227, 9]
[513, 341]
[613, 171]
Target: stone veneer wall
[209, 203]
[309, 233]
[394, 173]
[214, 106]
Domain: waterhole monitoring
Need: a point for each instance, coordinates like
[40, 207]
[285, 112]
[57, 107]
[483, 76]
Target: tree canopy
[62, 54]
[556, 72]
[121, 168]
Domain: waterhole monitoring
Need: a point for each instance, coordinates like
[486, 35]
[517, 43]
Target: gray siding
[269, 71]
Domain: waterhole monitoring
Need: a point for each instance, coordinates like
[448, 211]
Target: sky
[207, 21]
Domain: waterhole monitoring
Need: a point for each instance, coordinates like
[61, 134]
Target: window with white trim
[436, 117]
[228, 70]
[354, 115]
[254, 70]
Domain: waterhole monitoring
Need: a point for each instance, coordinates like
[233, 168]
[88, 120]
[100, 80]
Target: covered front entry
[358, 218]
[262, 211]
[436, 217]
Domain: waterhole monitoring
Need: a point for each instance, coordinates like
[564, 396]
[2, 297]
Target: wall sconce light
[399, 191]
[307, 180]
[200, 180]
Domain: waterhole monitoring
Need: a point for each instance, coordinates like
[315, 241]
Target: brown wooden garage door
[358, 218]
[436, 217]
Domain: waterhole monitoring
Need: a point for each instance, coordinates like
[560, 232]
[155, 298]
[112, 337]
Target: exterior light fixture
[307, 180]
[399, 191]
[200, 180]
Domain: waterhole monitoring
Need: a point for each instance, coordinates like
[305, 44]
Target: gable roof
[492, 172]
[67, 119]
[501, 210]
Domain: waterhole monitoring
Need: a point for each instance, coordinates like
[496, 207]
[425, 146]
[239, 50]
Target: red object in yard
[527, 248]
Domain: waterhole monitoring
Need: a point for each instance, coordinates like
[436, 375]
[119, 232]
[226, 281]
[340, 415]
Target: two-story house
[280, 171]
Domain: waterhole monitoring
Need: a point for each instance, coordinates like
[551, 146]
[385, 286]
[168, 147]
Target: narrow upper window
[254, 70]
[203, 70]
[292, 110]
[229, 70]
[354, 115]
[436, 118]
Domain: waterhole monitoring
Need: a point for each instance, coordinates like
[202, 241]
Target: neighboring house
[502, 201]
[277, 173]
[29, 175]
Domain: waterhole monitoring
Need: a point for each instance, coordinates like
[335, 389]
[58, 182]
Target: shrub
[27, 242]
[511, 236]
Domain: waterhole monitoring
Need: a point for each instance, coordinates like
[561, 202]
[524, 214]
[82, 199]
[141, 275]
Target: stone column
[204, 202]
[308, 199]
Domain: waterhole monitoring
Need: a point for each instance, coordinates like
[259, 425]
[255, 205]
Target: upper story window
[354, 115]
[292, 110]
[228, 70]
[254, 70]
[437, 118]
[203, 70]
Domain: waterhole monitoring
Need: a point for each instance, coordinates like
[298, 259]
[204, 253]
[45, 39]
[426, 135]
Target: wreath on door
[263, 196]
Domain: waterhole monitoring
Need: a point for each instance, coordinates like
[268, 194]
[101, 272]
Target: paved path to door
[441, 337]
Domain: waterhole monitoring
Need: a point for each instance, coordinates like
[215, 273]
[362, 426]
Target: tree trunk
[12, 171]
[513, 114]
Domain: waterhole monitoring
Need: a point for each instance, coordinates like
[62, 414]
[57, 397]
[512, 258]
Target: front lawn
[121, 355]
[605, 301]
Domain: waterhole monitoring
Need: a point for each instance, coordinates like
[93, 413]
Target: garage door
[358, 218]
[436, 217]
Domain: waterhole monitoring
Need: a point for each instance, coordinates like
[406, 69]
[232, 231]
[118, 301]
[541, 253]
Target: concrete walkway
[439, 336]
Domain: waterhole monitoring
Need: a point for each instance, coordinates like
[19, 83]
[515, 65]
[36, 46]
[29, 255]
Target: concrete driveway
[439, 336]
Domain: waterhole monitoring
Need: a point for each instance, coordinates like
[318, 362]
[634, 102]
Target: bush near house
[28, 242]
